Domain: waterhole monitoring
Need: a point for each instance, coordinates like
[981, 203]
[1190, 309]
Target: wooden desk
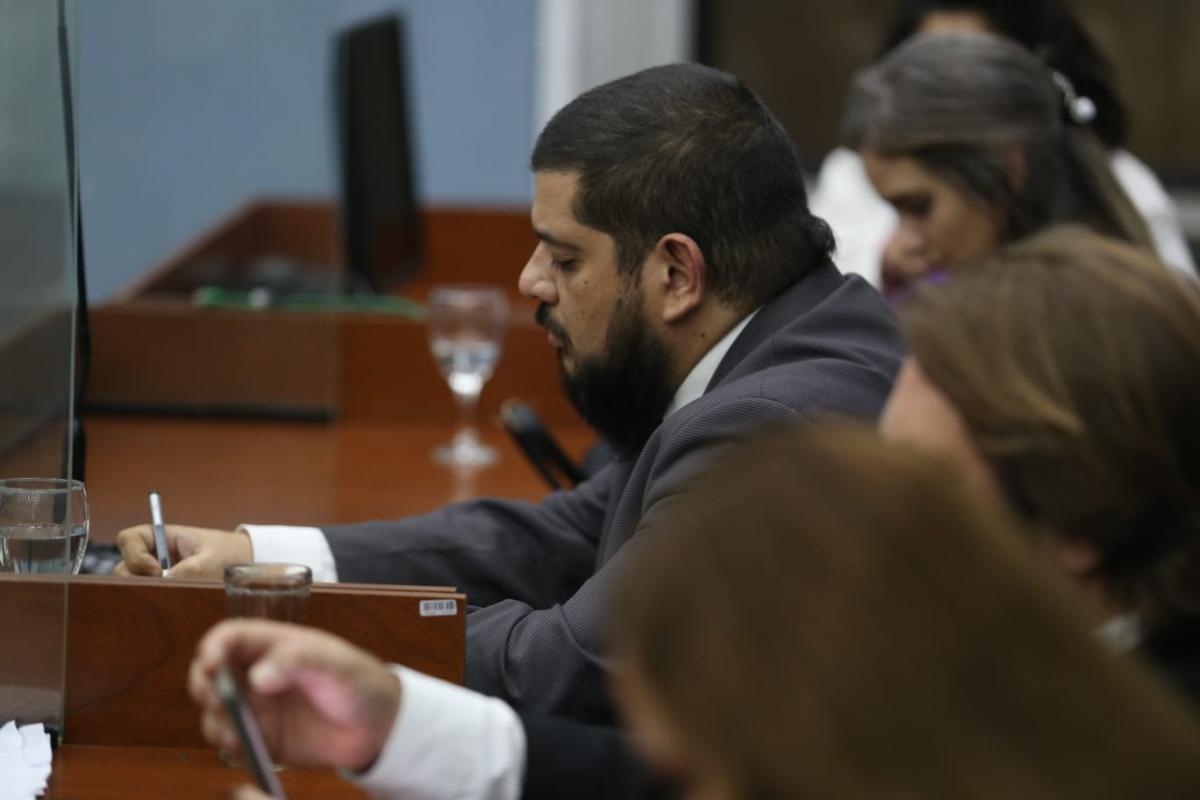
[219, 472]
[374, 463]
[131, 773]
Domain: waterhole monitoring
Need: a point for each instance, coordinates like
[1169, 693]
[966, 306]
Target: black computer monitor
[381, 229]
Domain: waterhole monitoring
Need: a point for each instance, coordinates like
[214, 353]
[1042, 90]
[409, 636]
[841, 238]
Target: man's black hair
[689, 149]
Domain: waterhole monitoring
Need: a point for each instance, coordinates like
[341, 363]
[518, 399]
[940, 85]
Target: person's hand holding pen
[319, 701]
[192, 552]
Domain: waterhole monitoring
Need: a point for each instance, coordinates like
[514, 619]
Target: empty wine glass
[466, 327]
[43, 525]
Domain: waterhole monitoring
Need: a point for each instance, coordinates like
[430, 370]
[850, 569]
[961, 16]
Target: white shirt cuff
[448, 743]
[285, 544]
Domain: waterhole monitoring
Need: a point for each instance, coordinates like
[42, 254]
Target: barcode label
[439, 608]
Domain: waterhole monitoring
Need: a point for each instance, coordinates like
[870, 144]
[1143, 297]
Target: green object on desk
[265, 300]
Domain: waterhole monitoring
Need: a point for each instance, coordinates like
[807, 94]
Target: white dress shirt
[449, 743]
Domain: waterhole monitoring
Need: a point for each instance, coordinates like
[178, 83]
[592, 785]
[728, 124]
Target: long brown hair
[958, 103]
[1074, 362]
[833, 617]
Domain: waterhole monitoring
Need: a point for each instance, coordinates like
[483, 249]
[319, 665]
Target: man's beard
[624, 391]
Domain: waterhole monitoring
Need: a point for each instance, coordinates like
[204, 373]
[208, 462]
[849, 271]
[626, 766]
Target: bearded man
[691, 297]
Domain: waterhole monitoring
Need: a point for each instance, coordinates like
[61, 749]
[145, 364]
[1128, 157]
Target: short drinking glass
[268, 591]
[43, 525]
[265, 591]
[466, 328]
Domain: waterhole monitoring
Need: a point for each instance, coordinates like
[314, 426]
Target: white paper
[24, 761]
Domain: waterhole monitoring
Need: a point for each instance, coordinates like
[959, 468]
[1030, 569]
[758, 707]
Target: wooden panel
[219, 473]
[473, 245]
[801, 56]
[33, 618]
[1157, 65]
[154, 350]
[130, 642]
[388, 374]
[798, 57]
[476, 245]
[168, 355]
[302, 231]
[32, 612]
[134, 773]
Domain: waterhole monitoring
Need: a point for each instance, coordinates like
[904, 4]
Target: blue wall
[188, 108]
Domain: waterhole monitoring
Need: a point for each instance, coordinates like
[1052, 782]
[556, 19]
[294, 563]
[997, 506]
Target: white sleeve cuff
[448, 743]
[285, 544]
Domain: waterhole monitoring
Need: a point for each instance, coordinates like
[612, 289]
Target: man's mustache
[543, 318]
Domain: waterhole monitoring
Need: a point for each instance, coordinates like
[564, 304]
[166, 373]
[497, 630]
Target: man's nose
[537, 278]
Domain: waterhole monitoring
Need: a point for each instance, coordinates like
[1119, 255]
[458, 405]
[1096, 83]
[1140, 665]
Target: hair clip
[1081, 109]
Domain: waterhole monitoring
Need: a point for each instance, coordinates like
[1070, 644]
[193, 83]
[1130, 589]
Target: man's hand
[320, 701]
[195, 552]
[248, 792]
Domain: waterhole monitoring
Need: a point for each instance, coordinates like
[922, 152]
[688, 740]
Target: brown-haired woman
[1063, 375]
[831, 617]
[1050, 30]
[973, 143]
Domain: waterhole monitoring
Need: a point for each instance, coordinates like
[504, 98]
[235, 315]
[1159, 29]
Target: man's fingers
[276, 671]
[216, 728]
[137, 552]
[183, 545]
[243, 642]
[302, 653]
[142, 566]
[196, 566]
[274, 653]
[200, 682]
[248, 792]
[135, 540]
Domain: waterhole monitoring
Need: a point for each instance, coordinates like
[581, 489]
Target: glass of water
[466, 327]
[268, 591]
[43, 525]
[265, 591]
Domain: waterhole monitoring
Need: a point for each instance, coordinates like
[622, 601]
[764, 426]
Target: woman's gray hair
[958, 104]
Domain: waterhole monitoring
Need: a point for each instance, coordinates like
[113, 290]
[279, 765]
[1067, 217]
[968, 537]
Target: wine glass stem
[466, 402]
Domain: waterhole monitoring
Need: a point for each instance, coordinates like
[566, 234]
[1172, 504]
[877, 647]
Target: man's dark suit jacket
[827, 345]
[571, 759]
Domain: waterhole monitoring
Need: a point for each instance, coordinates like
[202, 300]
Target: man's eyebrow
[554, 241]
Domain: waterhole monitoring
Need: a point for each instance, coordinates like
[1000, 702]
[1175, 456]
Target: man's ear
[680, 276]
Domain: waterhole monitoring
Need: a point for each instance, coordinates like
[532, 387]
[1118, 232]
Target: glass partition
[37, 328]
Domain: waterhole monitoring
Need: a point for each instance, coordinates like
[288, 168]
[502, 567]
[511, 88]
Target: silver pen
[160, 533]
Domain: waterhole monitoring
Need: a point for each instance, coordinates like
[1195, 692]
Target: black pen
[160, 533]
